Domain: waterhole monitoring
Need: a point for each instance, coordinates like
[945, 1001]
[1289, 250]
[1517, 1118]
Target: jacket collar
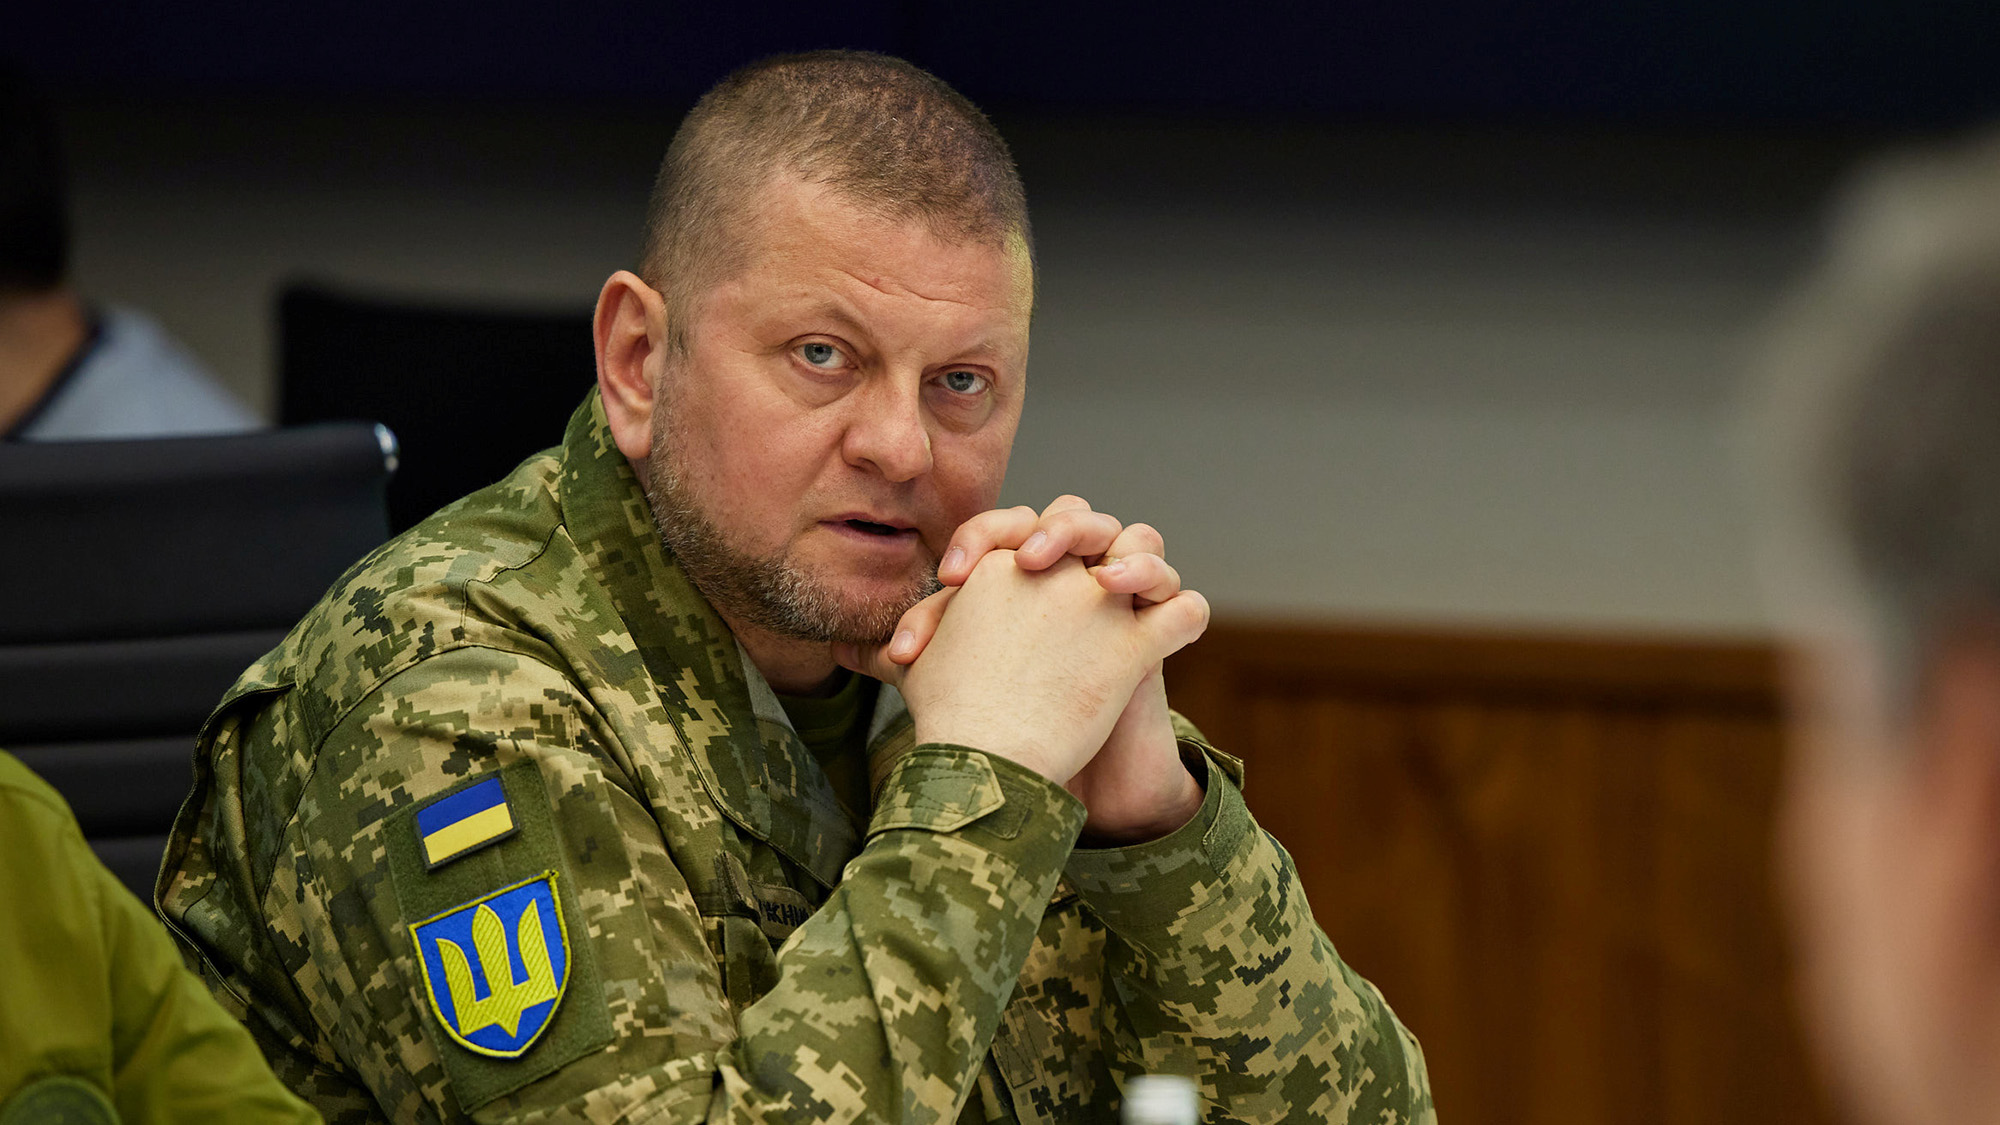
[729, 720]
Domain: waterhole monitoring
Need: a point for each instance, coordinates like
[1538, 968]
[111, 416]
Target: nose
[887, 429]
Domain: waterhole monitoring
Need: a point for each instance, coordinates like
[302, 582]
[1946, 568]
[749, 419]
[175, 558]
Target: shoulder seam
[456, 591]
[463, 588]
[57, 808]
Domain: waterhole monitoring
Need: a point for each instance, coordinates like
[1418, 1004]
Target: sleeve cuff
[1000, 805]
[1156, 883]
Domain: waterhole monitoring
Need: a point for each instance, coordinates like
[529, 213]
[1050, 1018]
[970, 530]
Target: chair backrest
[469, 391]
[140, 578]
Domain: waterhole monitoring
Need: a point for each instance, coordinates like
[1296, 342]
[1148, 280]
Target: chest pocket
[747, 920]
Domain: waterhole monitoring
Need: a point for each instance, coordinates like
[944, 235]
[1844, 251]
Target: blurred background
[1416, 329]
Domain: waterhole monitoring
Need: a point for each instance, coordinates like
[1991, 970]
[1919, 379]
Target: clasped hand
[1045, 650]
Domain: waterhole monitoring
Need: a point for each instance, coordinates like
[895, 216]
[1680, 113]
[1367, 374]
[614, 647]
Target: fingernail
[1114, 569]
[904, 642]
[953, 559]
[1035, 541]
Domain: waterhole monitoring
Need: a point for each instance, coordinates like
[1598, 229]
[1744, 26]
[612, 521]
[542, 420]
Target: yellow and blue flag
[463, 822]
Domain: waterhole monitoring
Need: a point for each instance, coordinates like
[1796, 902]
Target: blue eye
[819, 355]
[964, 382]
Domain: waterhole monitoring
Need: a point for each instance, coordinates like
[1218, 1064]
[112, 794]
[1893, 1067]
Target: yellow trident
[506, 998]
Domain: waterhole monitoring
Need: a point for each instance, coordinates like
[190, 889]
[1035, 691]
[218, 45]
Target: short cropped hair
[1887, 375]
[888, 136]
[34, 210]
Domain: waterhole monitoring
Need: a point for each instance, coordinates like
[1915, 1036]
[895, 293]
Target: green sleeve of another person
[100, 1015]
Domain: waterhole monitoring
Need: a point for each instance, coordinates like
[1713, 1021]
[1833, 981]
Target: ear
[1957, 818]
[1957, 723]
[630, 333]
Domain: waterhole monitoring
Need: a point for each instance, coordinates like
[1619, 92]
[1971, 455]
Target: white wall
[1349, 415]
[1384, 382]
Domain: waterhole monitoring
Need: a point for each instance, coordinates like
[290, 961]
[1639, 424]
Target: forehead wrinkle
[892, 288]
[787, 199]
[832, 308]
[835, 311]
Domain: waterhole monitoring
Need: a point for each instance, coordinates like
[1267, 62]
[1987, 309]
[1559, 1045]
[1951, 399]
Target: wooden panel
[1551, 853]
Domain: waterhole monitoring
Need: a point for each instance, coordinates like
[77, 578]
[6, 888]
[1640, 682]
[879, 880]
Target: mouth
[872, 523]
[860, 529]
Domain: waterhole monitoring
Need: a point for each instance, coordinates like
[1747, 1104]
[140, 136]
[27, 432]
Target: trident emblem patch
[495, 968]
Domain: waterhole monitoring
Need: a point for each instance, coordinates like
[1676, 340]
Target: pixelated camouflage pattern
[761, 957]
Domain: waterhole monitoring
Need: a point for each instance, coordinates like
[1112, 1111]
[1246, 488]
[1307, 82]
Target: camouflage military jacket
[508, 829]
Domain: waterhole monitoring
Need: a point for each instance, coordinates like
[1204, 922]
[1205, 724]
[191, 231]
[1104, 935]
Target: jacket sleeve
[1217, 971]
[885, 1000]
[97, 992]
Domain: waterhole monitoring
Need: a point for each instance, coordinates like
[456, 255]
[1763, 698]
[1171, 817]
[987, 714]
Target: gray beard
[765, 592]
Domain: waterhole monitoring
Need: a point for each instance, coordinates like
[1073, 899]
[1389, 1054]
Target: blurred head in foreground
[1878, 433]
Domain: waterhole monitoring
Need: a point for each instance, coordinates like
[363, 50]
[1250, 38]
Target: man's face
[848, 398]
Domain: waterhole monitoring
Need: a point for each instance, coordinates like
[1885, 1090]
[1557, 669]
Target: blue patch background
[456, 927]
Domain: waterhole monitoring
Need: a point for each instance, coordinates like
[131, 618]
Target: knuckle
[1073, 522]
[985, 528]
[1067, 501]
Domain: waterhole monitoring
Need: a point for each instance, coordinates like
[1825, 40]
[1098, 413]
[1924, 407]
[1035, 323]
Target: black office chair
[138, 579]
[469, 390]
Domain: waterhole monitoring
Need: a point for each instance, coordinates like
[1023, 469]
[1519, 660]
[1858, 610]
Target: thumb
[1175, 623]
[920, 624]
[869, 660]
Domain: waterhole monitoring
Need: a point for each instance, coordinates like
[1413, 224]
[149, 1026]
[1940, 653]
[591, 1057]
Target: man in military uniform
[568, 803]
[1882, 394]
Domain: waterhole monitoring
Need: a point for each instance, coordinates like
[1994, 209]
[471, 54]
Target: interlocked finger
[1071, 531]
[999, 529]
[1146, 577]
[1137, 539]
[1176, 623]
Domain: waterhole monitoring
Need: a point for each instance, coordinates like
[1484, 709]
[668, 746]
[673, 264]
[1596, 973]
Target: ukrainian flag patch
[495, 968]
[463, 822]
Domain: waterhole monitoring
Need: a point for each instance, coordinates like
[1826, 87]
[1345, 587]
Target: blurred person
[69, 369]
[570, 804]
[101, 1021]
[1879, 433]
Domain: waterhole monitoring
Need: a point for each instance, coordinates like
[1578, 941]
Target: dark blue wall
[1834, 62]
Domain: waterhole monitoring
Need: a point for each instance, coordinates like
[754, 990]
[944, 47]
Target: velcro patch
[532, 867]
